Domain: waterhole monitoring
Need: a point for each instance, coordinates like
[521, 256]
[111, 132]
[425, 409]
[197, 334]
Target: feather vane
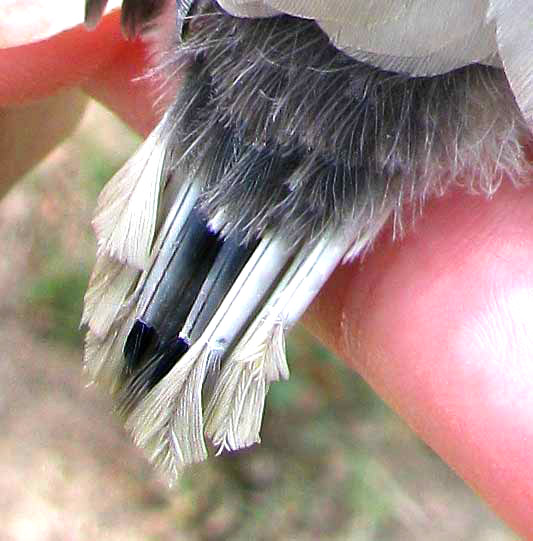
[126, 214]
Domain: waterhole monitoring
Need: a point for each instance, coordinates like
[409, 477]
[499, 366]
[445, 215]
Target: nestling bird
[298, 129]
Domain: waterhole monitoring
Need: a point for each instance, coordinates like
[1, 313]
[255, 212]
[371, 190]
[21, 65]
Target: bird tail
[186, 324]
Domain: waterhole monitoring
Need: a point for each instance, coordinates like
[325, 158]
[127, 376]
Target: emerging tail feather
[279, 158]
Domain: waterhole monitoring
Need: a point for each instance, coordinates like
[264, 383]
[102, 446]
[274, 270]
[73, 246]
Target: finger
[37, 70]
[441, 326]
[123, 86]
[39, 101]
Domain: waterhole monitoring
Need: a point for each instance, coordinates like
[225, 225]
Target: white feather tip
[127, 211]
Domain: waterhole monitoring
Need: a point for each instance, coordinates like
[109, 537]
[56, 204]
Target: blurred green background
[335, 463]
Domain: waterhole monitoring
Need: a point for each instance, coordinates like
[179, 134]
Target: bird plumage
[280, 157]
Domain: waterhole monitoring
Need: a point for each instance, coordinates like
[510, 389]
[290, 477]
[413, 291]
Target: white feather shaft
[252, 284]
[173, 408]
[173, 224]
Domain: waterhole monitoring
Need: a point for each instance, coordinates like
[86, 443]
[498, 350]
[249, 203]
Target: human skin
[439, 323]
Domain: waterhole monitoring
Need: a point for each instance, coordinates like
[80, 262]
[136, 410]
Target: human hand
[439, 323]
[44, 86]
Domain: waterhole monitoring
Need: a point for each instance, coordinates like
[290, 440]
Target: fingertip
[123, 86]
[39, 69]
[439, 324]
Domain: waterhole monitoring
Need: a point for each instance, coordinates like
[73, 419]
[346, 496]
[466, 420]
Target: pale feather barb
[280, 157]
[126, 214]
